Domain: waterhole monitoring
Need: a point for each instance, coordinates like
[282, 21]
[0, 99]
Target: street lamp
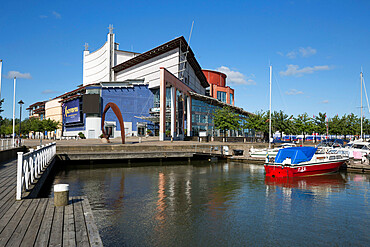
[20, 119]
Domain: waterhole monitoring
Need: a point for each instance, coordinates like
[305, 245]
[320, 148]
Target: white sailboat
[357, 149]
[268, 152]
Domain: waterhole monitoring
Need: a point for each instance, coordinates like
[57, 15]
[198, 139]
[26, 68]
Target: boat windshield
[360, 146]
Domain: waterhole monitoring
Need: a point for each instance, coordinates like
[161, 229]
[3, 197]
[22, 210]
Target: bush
[81, 135]
[168, 132]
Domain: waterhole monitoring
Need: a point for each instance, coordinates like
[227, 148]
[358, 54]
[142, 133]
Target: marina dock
[358, 167]
[37, 222]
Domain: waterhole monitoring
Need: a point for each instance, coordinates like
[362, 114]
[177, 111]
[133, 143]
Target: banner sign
[71, 111]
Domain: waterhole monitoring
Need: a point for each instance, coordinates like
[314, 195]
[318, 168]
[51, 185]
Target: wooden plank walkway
[36, 222]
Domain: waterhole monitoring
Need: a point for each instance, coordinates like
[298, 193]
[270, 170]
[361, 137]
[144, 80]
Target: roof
[214, 72]
[78, 90]
[39, 110]
[296, 154]
[179, 42]
[71, 98]
[217, 102]
[36, 104]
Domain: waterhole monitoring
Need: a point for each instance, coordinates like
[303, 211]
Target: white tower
[97, 65]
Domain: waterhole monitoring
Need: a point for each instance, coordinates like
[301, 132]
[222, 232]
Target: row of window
[222, 97]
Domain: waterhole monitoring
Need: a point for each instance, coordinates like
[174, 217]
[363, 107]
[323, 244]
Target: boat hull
[278, 170]
[263, 155]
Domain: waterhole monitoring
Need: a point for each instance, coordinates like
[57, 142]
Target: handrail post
[19, 175]
[32, 165]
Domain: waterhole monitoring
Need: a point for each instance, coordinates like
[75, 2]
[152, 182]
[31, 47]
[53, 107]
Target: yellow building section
[53, 111]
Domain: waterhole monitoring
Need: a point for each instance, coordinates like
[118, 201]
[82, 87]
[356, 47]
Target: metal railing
[30, 166]
[8, 144]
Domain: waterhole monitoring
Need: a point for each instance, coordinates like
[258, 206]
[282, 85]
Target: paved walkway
[129, 141]
[36, 222]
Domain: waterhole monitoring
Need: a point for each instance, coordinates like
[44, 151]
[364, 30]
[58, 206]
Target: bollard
[61, 195]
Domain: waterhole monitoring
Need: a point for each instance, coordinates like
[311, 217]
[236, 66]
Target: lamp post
[20, 120]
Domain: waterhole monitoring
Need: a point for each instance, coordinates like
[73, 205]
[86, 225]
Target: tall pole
[361, 105]
[1, 66]
[14, 112]
[270, 109]
[20, 120]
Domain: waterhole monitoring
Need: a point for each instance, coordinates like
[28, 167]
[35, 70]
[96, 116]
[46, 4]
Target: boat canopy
[296, 154]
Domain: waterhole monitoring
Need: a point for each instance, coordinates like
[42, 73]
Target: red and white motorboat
[303, 161]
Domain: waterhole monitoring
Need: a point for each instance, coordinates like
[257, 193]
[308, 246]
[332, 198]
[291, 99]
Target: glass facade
[221, 96]
[202, 117]
[202, 120]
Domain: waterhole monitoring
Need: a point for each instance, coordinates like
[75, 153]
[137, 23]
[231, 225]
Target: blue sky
[316, 48]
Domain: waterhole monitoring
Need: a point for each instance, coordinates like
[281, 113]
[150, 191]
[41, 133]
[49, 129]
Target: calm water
[221, 204]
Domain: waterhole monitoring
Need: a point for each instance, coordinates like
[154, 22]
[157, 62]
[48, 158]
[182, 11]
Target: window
[221, 96]
[231, 98]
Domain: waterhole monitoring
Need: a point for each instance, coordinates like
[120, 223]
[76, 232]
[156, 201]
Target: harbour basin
[220, 204]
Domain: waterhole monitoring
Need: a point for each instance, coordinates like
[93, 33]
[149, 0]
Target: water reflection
[161, 197]
[320, 185]
[219, 204]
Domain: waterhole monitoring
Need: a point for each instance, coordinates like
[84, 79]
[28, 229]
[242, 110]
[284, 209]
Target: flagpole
[270, 109]
[361, 105]
[14, 113]
[1, 66]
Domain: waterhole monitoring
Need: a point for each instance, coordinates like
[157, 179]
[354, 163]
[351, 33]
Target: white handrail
[30, 166]
[8, 144]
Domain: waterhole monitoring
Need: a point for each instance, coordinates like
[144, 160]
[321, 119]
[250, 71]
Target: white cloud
[49, 91]
[56, 15]
[302, 52]
[43, 16]
[294, 70]
[12, 74]
[306, 52]
[292, 54]
[325, 102]
[293, 92]
[235, 77]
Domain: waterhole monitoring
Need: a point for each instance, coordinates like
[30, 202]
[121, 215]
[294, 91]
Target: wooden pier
[358, 166]
[37, 222]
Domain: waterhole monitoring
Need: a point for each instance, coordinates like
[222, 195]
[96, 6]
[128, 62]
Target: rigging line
[187, 49]
[367, 99]
[281, 95]
[353, 103]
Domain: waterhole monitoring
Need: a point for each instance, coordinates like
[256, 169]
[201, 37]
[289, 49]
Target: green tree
[1, 104]
[335, 126]
[320, 122]
[49, 124]
[281, 122]
[226, 119]
[303, 124]
[257, 122]
[366, 126]
[6, 127]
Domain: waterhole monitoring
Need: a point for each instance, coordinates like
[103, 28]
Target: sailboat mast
[361, 105]
[270, 109]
